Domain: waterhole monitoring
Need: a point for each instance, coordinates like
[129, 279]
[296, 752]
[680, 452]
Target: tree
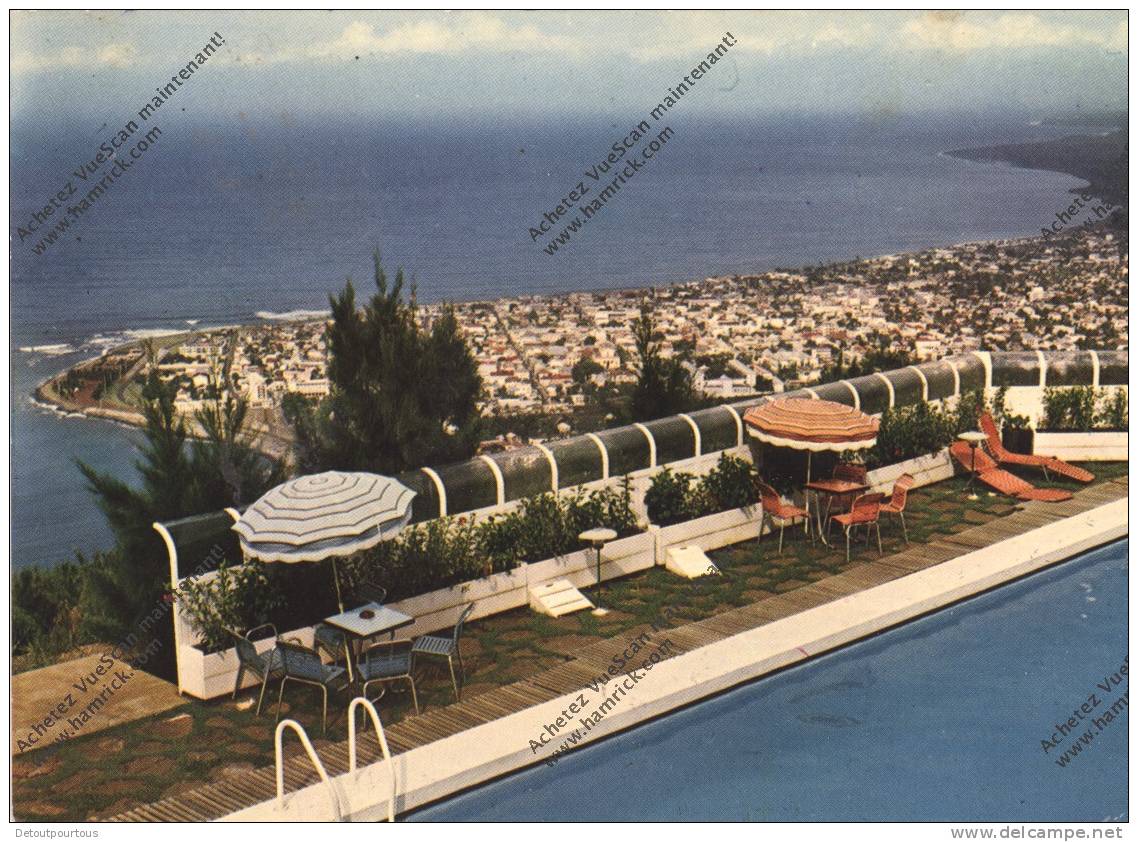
[884, 357]
[401, 396]
[663, 385]
[179, 478]
[585, 368]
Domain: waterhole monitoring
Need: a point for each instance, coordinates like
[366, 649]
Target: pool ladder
[353, 767]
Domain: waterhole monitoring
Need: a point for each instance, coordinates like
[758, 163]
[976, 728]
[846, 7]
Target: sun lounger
[989, 473]
[1047, 463]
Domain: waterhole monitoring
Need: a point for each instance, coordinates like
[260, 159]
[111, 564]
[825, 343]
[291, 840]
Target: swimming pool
[942, 719]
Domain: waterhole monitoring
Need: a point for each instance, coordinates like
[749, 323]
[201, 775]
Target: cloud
[685, 35]
[117, 55]
[460, 33]
[112, 55]
[953, 31]
[832, 35]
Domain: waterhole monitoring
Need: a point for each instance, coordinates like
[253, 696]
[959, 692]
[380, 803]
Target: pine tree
[663, 384]
[401, 397]
[179, 478]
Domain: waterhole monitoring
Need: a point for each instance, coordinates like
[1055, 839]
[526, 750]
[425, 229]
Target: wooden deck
[213, 801]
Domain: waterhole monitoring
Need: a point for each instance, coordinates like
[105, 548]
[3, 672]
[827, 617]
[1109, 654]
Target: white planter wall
[711, 532]
[209, 676]
[925, 470]
[1083, 447]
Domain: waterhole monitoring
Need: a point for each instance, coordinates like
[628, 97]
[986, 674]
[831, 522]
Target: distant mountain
[1101, 159]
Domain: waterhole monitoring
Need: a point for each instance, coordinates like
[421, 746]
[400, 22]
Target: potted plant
[1016, 432]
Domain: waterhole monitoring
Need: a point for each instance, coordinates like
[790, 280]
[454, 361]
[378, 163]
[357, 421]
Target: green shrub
[676, 497]
[445, 552]
[731, 483]
[667, 497]
[238, 598]
[910, 431]
[1114, 414]
[46, 612]
[1070, 408]
[966, 416]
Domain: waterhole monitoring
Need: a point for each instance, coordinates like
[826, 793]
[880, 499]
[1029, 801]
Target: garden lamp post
[598, 537]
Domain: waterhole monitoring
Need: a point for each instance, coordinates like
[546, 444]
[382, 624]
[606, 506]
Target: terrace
[212, 757]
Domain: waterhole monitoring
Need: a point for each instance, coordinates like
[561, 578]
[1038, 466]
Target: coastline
[1099, 159]
[1068, 155]
[46, 396]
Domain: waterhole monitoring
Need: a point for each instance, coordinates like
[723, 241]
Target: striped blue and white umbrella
[326, 515]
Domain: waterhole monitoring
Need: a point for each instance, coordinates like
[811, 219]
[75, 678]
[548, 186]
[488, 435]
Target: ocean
[234, 222]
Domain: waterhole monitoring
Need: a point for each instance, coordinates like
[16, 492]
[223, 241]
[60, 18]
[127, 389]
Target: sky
[432, 66]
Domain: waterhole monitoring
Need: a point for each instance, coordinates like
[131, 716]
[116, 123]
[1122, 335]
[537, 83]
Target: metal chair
[438, 646]
[371, 592]
[267, 666]
[896, 504]
[850, 473]
[389, 660]
[331, 640]
[865, 511]
[775, 509]
[304, 665]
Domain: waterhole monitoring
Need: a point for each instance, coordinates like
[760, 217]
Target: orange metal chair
[896, 504]
[850, 473]
[777, 510]
[847, 471]
[865, 511]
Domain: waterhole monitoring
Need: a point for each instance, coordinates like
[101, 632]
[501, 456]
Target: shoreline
[44, 396]
[1057, 155]
[1100, 159]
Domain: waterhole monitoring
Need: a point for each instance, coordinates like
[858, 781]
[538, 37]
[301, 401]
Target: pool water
[941, 719]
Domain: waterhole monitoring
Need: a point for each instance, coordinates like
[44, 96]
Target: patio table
[973, 438]
[359, 628]
[830, 488]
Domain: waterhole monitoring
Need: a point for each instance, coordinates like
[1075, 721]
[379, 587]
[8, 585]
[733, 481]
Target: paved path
[82, 697]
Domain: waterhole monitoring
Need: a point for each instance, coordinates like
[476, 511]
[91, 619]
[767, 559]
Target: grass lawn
[106, 773]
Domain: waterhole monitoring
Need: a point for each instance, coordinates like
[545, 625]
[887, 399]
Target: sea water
[226, 223]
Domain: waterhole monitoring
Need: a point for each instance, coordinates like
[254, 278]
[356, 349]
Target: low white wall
[710, 532]
[474, 756]
[1084, 447]
[209, 676]
[925, 470]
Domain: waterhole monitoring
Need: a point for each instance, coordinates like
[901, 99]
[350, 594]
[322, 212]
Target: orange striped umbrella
[814, 425]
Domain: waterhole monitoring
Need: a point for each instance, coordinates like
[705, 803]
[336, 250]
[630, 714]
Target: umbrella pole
[336, 579]
[806, 497]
